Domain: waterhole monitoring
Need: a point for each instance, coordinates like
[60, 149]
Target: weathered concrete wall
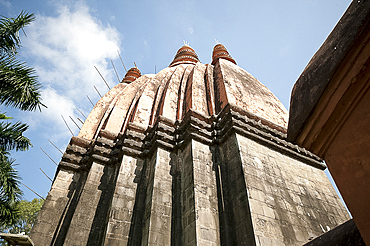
[89, 222]
[236, 217]
[158, 203]
[57, 209]
[290, 201]
[123, 203]
[200, 218]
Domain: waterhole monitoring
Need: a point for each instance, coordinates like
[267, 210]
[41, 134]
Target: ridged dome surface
[203, 88]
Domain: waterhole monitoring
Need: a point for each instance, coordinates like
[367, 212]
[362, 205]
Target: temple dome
[185, 85]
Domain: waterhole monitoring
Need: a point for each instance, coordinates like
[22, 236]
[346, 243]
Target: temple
[196, 154]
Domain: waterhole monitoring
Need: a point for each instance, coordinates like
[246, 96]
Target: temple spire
[185, 55]
[131, 75]
[219, 51]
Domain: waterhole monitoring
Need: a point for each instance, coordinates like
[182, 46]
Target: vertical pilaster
[90, 218]
[238, 216]
[123, 203]
[200, 216]
[158, 204]
[51, 218]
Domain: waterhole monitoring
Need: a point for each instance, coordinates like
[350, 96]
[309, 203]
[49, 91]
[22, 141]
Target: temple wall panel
[200, 216]
[158, 204]
[55, 208]
[123, 203]
[89, 224]
[290, 201]
[237, 218]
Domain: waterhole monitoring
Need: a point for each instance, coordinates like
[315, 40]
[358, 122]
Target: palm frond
[10, 192]
[9, 32]
[8, 213]
[9, 180]
[11, 136]
[18, 85]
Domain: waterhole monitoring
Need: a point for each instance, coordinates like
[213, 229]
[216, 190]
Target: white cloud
[65, 49]
[191, 30]
[6, 4]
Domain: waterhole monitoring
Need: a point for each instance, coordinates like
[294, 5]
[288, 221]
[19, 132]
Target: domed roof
[185, 85]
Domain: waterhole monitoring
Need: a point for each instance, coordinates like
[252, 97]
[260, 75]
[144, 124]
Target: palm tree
[19, 88]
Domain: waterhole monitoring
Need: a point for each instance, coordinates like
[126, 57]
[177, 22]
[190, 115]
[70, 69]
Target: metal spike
[97, 91]
[46, 175]
[80, 120]
[102, 78]
[55, 146]
[48, 156]
[90, 100]
[33, 191]
[122, 61]
[115, 71]
[67, 126]
[81, 112]
[75, 123]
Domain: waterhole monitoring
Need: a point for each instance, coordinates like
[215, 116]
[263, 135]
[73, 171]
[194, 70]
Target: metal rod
[67, 125]
[33, 191]
[115, 71]
[48, 156]
[46, 175]
[102, 78]
[55, 146]
[81, 112]
[97, 91]
[90, 100]
[74, 122]
[122, 61]
[80, 120]
[135, 64]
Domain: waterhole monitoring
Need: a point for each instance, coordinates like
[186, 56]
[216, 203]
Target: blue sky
[273, 40]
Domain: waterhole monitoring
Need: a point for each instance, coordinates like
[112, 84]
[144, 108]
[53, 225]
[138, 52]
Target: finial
[219, 51]
[185, 55]
[135, 64]
[131, 75]
[186, 43]
[217, 41]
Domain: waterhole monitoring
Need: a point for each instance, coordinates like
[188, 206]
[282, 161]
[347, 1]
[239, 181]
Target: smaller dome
[131, 75]
[185, 55]
[219, 51]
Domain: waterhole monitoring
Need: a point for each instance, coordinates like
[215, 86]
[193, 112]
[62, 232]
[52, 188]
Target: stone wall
[290, 201]
[225, 180]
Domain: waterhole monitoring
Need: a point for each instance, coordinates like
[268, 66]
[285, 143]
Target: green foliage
[9, 190]
[26, 217]
[18, 83]
[19, 88]
[9, 32]
[11, 136]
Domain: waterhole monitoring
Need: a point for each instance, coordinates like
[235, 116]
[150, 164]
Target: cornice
[108, 148]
